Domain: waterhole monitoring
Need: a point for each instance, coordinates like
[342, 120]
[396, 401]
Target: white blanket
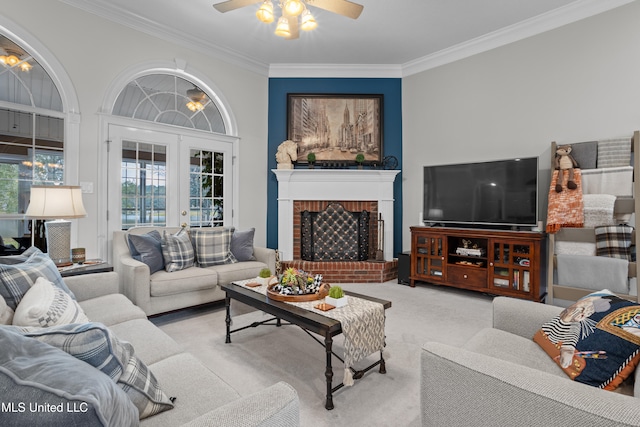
[617, 181]
[598, 210]
[594, 272]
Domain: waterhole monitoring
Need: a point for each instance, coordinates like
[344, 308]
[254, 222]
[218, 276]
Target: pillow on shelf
[614, 241]
[242, 245]
[177, 251]
[213, 246]
[6, 314]
[36, 372]
[17, 279]
[596, 341]
[147, 248]
[45, 305]
[95, 344]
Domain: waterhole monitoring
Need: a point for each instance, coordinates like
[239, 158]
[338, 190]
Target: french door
[162, 178]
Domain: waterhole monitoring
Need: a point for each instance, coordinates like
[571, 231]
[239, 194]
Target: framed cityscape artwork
[336, 128]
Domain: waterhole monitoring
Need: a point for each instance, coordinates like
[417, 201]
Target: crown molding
[551, 20]
[335, 70]
[105, 10]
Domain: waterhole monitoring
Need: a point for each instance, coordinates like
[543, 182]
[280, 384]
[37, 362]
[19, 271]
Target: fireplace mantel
[333, 184]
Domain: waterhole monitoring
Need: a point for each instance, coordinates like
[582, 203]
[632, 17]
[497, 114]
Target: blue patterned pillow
[96, 345]
[213, 246]
[17, 279]
[177, 251]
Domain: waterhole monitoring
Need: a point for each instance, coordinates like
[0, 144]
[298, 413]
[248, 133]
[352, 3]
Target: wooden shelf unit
[499, 262]
[623, 205]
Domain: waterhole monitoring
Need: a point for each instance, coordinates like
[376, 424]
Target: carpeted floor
[259, 357]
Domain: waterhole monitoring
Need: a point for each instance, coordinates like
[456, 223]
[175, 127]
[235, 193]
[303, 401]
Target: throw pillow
[6, 314]
[596, 341]
[147, 248]
[177, 251]
[242, 245]
[17, 279]
[32, 372]
[213, 246]
[46, 305]
[96, 345]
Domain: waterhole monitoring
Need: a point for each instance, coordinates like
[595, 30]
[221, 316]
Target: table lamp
[57, 202]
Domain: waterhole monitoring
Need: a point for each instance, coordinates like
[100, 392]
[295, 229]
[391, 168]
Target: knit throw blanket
[566, 208]
[362, 324]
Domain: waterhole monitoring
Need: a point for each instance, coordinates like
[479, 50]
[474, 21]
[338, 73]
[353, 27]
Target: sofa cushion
[150, 342]
[147, 248]
[177, 251]
[38, 373]
[47, 305]
[213, 246]
[242, 245]
[191, 279]
[6, 313]
[111, 309]
[228, 273]
[596, 341]
[512, 348]
[17, 279]
[198, 390]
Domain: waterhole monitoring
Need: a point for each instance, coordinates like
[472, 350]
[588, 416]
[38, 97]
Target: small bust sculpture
[286, 154]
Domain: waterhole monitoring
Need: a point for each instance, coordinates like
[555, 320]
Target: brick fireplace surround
[356, 190]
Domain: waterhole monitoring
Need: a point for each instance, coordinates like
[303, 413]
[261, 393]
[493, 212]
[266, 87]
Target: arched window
[32, 134]
[174, 160]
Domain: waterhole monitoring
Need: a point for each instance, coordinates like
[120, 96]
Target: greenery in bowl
[311, 157]
[336, 292]
[359, 158]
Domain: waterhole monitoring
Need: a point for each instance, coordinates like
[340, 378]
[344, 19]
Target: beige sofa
[202, 398]
[162, 291]
[501, 377]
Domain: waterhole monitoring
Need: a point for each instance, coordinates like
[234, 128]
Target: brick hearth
[348, 271]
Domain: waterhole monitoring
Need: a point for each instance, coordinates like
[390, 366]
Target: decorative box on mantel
[333, 184]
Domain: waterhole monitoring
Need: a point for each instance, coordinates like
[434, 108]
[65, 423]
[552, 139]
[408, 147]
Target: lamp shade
[55, 202]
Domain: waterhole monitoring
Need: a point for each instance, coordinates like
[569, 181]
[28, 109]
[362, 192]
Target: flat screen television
[501, 194]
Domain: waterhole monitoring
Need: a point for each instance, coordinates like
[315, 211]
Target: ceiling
[398, 37]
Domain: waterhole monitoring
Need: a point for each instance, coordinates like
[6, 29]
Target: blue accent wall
[391, 89]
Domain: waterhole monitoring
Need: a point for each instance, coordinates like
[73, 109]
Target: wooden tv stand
[491, 261]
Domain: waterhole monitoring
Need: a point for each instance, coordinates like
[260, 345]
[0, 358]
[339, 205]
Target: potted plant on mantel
[359, 160]
[336, 297]
[311, 158]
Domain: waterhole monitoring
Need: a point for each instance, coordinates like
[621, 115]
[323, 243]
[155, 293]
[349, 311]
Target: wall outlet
[86, 187]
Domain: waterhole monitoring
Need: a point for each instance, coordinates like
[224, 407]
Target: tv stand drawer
[474, 277]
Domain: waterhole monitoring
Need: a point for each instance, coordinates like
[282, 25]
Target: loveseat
[162, 291]
[501, 377]
[202, 398]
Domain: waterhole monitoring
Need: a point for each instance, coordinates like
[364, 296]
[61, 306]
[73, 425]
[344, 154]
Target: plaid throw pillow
[213, 246]
[177, 251]
[614, 241]
[17, 279]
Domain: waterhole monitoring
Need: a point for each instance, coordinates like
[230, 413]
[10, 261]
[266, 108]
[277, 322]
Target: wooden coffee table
[309, 321]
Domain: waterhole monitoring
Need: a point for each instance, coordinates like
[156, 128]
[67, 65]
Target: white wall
[576, 83]
[94, 51]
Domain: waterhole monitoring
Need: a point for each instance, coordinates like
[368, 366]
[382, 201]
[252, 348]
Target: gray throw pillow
[242, 245]
[147, 248]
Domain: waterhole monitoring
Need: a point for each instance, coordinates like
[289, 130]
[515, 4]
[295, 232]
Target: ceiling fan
[288, 26]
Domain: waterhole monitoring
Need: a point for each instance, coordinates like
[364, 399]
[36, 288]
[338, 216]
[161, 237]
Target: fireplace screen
[335, 234]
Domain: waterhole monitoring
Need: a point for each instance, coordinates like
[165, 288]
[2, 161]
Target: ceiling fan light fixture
[25, 66]
[293, 7]
[307, 21]
[196, 96]
[283, 29]
[195, 106]
[265, 13]
[11, 60]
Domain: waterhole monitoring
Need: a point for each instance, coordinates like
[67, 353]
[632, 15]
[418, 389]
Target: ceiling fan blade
[341, 7]
[294, 30]
[226, 6]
